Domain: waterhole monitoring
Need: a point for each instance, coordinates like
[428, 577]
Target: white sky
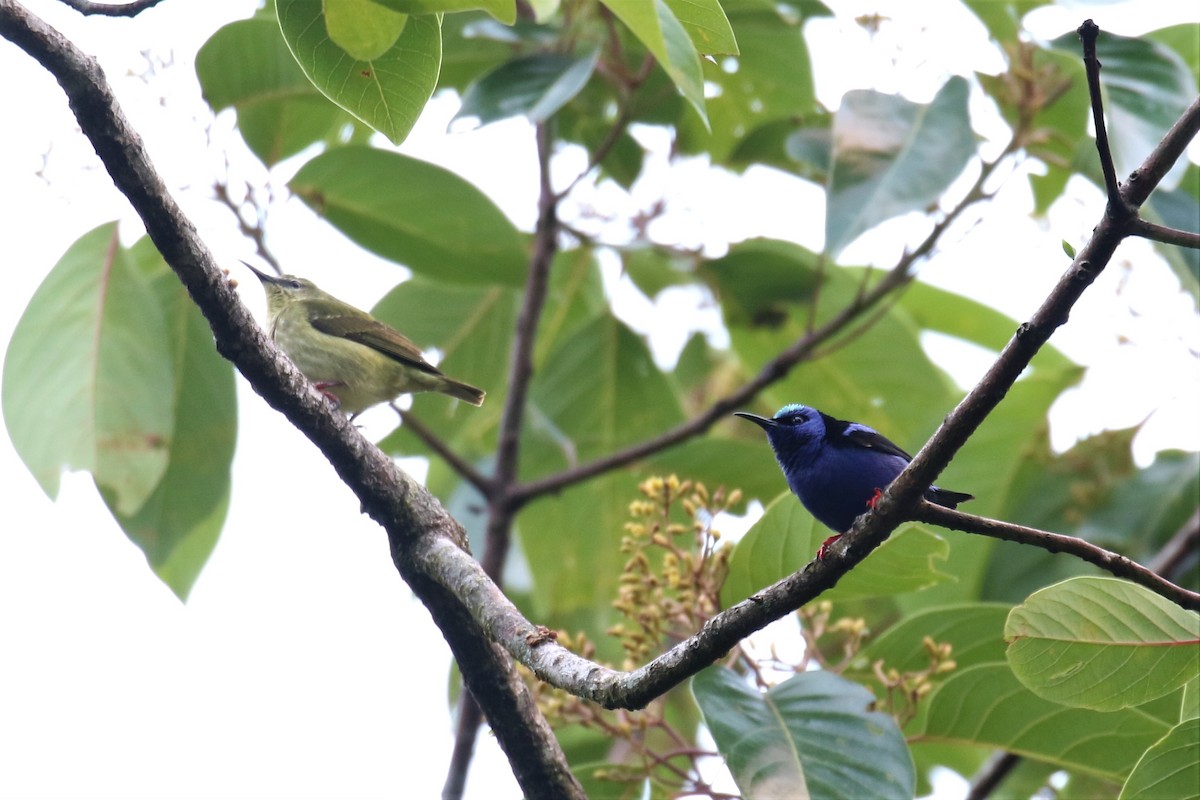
[301, 666]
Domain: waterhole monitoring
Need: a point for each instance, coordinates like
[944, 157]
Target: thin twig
[1175, 553]
[110, 9]
[992, 774]
[254, 232]
[1088, 33]
[1113, 563]
[1161, 233]
[465, 469]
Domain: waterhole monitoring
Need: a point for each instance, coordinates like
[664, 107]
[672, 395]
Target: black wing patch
[840, 433]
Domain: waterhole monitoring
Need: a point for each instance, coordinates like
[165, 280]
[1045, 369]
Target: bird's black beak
[262, 276]
[762, 422]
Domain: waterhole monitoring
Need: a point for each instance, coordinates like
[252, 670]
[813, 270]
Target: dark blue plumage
[837, 468]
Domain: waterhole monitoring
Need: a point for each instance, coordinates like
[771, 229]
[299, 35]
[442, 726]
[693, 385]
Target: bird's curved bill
[262, 276]
[761, 422]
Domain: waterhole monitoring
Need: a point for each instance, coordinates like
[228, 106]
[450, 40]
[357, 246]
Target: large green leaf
[1102, 643]
[1169, 768]
[787, 537]
[572, 542]
[974, 631]
[365, 29]
[1147, 86]
[536, 86]
[953, 314]
[771, 79]
[600, 389]
[656, 26]
[892, 156]
[985, 705]
[387, 92]
[247, 66]
[178, 526]
[413, 212]
[1003, 19]
[503, 10]
[93, 354]
[473, 45]
[810, 737]
[706, 25]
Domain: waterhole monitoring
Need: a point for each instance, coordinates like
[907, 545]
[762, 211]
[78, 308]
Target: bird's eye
[294, 284]
[795, 418]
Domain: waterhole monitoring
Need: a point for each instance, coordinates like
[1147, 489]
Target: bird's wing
[852, 434]
[374, 334]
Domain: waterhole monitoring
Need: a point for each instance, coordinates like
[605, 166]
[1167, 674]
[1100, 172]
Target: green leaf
[985, 705]
[1101, 643]
[953, 314]
[246, 65]
[388, 92]
[577, 573]
[178, 526]
[415, 213]
[806, 737]
[600, 389]
[473, 44]
[892, 156]
[657, 27]
[787, 538]
[536, 86]
[706, 25]
[975, 632]
[93, 353]
[771, 79]
[759, 279]
[1003, 19]
[503, 10]
[363, 28]
[1147, 86]
[1183, 40]
[1169, 768]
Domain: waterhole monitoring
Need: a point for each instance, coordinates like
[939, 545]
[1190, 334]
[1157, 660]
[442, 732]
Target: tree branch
[1161, 233]
[1088, 33]
[1113, 563]
[110, 9]
[407, 511]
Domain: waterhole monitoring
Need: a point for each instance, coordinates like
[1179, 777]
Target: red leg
[824, 548]
[875, 498]
[323, 388]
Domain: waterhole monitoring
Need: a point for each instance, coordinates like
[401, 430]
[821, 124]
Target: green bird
[351, 357]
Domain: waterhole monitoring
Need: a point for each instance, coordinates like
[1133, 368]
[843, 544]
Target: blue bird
[838, 469]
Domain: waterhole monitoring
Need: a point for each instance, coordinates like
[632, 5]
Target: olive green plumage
[348, 354]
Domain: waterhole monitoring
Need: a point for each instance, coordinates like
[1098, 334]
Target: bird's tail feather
[463, 391]
[947, 498]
